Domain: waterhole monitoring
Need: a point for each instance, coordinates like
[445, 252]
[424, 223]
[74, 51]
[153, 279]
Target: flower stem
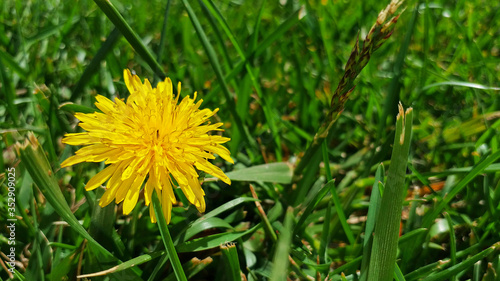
[167, 239]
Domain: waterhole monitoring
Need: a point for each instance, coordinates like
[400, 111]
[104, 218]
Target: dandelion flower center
[151, 139]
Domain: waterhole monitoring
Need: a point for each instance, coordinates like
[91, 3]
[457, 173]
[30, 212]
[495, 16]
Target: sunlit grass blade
[167, 239]
[126, 265]
[117, 19]
[446, 274]
[274, 172]
[385, 240]
[460, 84]
[33, 158]
[280, 259]
[230, 256]
[218, 72]
[439, 265]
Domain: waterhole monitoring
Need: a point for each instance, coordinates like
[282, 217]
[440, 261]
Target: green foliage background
[443, 60]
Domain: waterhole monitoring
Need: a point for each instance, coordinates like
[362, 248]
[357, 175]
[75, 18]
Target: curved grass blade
[225, 207]
[310, 207]
[213, 241]
[213, 222]
[126, 265]
[33, 157]
[449, 272]
[460, 84]
[117, 19]
[72, 108]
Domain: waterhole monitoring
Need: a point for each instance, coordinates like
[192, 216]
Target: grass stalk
[359, 58]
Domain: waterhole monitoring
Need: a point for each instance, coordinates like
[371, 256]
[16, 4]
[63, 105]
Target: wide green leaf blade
[274, 172]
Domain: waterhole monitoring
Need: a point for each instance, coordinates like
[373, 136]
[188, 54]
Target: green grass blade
[230, 257]
[310, 207]
[453, 243]
[274, 172]
[460, 84]
[159, 267]
[167, 239]
[373, 209]
[398, 275]
[117, 19]
[9, 94]
[126, 265]
[212, 241]
[10, 62]
[467, 263]
[213, 222]
[159, 53]
[280, 259]
[33, 157]
[325, 235]
[73, 108]
[225, 207]
[385, 241]
[340, 212]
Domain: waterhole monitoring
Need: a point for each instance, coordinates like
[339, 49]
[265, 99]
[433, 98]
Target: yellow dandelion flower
[153, 139]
